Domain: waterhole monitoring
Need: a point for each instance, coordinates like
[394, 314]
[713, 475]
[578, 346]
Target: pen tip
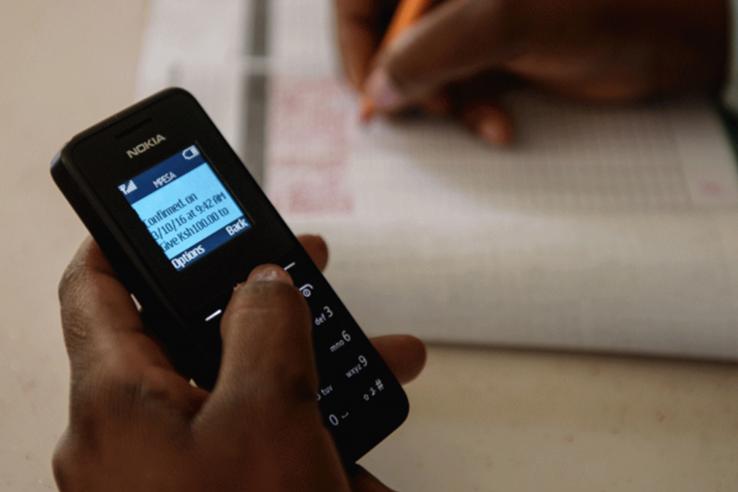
[366, 113]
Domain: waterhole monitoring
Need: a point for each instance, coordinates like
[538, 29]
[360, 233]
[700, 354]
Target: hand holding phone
[137, 424]
[183, 222]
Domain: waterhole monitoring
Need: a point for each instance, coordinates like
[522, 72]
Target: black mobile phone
[182, 222]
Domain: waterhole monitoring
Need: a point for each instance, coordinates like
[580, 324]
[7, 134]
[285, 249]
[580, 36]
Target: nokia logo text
[144, 146]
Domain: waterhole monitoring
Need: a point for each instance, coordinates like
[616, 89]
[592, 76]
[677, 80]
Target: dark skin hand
[136, 424]
[462, 54]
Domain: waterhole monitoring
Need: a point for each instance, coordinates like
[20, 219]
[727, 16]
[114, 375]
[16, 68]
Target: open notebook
[602, 229]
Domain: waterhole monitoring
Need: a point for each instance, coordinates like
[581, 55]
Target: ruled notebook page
[601, 229]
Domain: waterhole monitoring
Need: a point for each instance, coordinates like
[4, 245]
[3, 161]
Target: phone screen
[185, 207]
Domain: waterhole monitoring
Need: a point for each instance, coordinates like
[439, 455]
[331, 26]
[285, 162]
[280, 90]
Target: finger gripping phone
[182, 222]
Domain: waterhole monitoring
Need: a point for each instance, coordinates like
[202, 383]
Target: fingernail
[383, 92]
[492, 131]
[269, 273]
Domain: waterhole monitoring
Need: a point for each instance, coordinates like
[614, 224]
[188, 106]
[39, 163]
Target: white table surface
[481, 419]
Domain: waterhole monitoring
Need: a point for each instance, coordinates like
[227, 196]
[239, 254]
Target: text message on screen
[185, 207]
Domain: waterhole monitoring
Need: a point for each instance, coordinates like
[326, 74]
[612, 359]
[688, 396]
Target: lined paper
[607, 229]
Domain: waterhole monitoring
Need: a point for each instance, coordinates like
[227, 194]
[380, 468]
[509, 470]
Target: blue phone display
[185, 207]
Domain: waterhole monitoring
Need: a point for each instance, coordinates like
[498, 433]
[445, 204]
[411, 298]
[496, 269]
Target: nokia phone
[182, 222]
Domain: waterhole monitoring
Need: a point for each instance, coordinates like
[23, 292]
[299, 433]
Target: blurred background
[68, 65]
[577, 289]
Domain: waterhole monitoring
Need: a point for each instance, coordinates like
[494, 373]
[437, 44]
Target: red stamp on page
[308, 146]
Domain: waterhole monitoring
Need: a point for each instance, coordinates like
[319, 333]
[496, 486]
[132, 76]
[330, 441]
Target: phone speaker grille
[133, 128]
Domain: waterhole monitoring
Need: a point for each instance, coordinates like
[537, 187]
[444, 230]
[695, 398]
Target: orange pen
[406, 14]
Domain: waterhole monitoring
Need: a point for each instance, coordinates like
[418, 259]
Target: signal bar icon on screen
[128, 187]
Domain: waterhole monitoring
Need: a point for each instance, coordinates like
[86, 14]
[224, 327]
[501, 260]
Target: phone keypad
[350, 372]
[355, 385]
